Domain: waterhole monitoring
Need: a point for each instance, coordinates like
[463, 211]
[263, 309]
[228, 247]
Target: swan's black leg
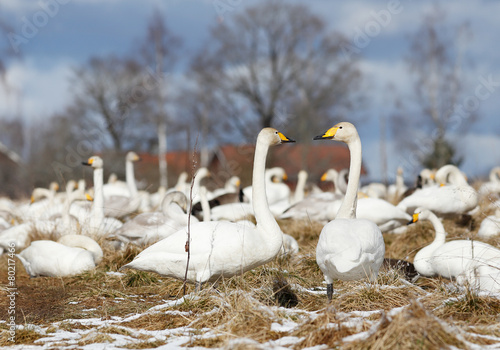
[329, 291]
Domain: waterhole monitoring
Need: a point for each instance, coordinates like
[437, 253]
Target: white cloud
[41, 91]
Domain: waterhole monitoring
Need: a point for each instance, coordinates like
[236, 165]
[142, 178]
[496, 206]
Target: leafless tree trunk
[259, 59]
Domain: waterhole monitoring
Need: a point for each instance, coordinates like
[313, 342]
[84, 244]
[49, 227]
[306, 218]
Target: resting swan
[457, 197]
[221, 249]
[448, 259]
[53, 259]
[147, 228]
[349, 248]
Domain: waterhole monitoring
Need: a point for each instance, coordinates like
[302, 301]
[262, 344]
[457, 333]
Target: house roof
[229, 160]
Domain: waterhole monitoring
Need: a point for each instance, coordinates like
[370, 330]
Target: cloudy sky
[56, 35]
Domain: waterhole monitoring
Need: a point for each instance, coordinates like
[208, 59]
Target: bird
[493, 185]
[490, 226]
[456, 197]
[95, 223]
[147, 228]
[349, 248]
[122, 200]
[53, 259]
[448, 259]
[221, 249]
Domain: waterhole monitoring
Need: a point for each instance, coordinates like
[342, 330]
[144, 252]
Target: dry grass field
[282, 305]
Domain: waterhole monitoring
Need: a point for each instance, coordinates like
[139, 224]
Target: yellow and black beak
[330, 134]
[285, 139]
[89, 197]
[414, 219]
[323, 177]
[89, 162]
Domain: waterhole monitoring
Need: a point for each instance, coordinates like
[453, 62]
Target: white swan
[299, 193]
[232, 185]
[221, 249]
[49, 258]
[121, 201]
[396, 190]
[147, 228]
[490, 226]
[448, 259]
[95, 223]
[457, 197]
[493, 185]
[349, 248]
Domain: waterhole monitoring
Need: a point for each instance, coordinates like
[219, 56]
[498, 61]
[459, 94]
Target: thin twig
[188, 245]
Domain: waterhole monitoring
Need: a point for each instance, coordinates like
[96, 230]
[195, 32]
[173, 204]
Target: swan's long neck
[400, 182]
[422, 260]
[348, 208]
[263, 216]
[440, 238]
[299, 190]
[97, 214]
[130, 177]
[205, 206]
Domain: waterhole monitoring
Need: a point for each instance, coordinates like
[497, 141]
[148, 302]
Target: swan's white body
[147, 228]
[232, 211]
[493, 185]
[349, 248]
[490, 226]
[121, 200]
[49, 258]
[384, 214]
[221, 249]
[95, 223]
[456, 197]
[448, 259]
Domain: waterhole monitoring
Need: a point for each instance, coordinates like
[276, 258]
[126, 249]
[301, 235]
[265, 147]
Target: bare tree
[158, 52]
[435, 62]
[108, 94]
[275, 56]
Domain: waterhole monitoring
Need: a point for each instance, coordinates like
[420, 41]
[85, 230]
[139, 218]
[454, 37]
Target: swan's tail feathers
[27, 266]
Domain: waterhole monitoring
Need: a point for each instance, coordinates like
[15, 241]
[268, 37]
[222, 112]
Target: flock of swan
[57, 233]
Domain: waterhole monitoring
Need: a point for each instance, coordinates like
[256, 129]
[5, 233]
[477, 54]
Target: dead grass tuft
[471, 308]
[140, 278]
[159, 321]
[94, 337]
[144, 344]
[326, 329]
[412, 328]
[26, 335]
[363, 296]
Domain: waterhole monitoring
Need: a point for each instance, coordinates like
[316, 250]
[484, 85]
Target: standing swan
[221, 249]
[349, 248]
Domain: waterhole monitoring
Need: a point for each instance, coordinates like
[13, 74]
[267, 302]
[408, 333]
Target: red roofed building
[229, 160]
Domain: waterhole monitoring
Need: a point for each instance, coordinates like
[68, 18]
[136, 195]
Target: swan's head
[272, 137]
[175, 197]
[330, 175]
[234, 181]
[344, 131]
[94, 162]
[202, 173]
[70, 186]
[54, 186]
[132, 157]
[420, 214]
[276, 174]
[302, 175]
